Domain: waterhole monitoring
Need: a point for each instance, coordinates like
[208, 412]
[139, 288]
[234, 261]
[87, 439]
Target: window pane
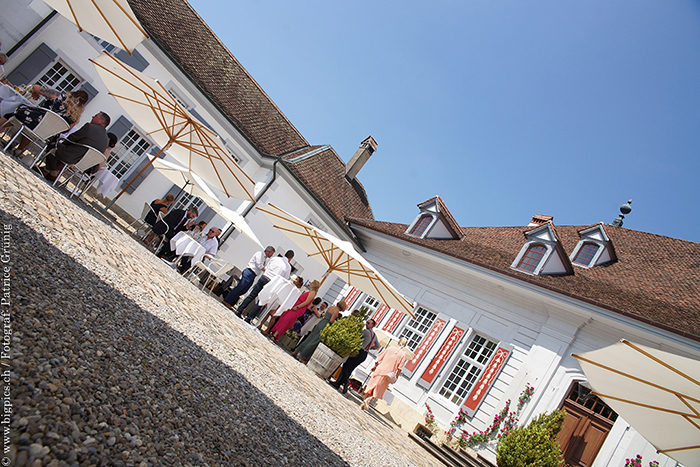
[131, 147]
[467, 369]
[421, 225]
[586, 253]
[416, 328]
[59, 77]
[532, 258]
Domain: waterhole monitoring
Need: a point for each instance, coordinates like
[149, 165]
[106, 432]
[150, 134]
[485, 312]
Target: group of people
[264, 267]
[70, 106]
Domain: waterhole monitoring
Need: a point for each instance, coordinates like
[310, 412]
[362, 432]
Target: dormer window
[586, 253]
[419, 228]
[542, 253]
[532, 258]
[434, 221]
[594, 248]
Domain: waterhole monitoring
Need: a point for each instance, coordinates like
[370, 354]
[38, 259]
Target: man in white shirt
[277, 266]
[255, 267]
[210, 242]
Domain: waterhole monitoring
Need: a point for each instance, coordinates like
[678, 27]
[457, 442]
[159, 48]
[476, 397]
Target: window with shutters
[467, 369]
[59, 77]
[415, 328]
[127, 152]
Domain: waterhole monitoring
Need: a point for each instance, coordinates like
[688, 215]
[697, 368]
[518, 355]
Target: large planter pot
[324, 361]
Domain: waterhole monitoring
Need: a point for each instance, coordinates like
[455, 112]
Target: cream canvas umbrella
[189, 182]
[194, 185]
[172, 127]
[338, 256]
[387, 340]
[656, 392]
[111, 20]
[238, 221]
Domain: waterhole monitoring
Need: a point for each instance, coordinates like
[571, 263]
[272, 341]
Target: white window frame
[416, 328]
[58, 84]
[469, 360]
[125, 151]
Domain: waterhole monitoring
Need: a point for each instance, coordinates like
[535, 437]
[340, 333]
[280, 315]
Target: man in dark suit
[93, 134]
[176, 221]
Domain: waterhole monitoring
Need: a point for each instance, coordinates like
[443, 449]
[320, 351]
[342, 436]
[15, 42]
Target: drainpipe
[34, 30]
[267, 186]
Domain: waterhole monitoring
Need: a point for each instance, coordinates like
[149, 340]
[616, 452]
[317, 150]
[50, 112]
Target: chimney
[539, 219]
[367, 148]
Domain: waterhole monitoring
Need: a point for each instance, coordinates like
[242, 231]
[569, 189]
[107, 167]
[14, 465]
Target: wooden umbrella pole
[323, 279]
[138, 175]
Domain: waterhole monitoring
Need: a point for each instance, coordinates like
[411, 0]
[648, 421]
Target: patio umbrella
[172, 127]
[237, 220]
[387, 340]
[111, 20]
[338, 256]
[188, 182]
[195, 186]
[656, 392]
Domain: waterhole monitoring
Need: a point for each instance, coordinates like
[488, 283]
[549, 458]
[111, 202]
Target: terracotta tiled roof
[655, 279]
[324, 174]
[210, 65]
[182, 33]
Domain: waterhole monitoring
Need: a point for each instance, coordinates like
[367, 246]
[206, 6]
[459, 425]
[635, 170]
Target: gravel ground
[116, 360]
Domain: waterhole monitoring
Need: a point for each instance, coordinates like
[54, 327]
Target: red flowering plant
[503, 422]
[430, 419]
[637, 462]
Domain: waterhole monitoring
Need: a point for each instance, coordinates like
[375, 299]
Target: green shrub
[535, 445]
[344, 336]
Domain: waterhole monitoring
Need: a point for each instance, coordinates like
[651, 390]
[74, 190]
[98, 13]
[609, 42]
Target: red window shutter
[351, 297]
[379, 314]
[486, 380]
[442, 356]
[393, 322]
[425, 344]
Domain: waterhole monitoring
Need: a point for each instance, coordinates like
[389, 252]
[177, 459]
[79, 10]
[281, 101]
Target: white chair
[147, 209]
[215, 271]
[161, 218]
[91, 158]
[50, 125]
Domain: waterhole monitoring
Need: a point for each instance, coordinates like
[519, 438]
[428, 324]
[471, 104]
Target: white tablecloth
[11, 99]
[106, 182]
[184, 245]
[279, 291]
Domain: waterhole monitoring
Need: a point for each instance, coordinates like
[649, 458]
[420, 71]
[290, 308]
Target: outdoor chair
[91, 158]
[214, 271]
[50, 125]
[141, 221]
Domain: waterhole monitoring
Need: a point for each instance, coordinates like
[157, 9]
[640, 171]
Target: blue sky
[503, 108]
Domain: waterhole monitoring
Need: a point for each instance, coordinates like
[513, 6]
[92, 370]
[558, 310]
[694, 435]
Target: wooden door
[588, 422]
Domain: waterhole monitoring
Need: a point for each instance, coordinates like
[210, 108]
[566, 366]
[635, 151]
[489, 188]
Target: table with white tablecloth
[184, 245]
[105, 182]
[279, 294]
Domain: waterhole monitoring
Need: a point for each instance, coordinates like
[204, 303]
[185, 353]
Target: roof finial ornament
[624, 210]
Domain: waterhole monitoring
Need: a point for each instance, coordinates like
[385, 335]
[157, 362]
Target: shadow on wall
[96, 378]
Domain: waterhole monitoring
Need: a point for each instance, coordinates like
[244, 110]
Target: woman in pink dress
[290, 316]
[388, 366]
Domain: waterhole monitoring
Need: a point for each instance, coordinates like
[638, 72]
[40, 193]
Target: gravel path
[117, 360]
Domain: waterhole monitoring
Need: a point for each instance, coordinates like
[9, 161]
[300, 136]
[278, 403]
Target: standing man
[255, 267]
[277, 266]
[93, 134]
[369, 342]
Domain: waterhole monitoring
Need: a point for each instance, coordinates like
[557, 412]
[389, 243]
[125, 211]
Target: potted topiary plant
[534, 445]
[341, 339]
